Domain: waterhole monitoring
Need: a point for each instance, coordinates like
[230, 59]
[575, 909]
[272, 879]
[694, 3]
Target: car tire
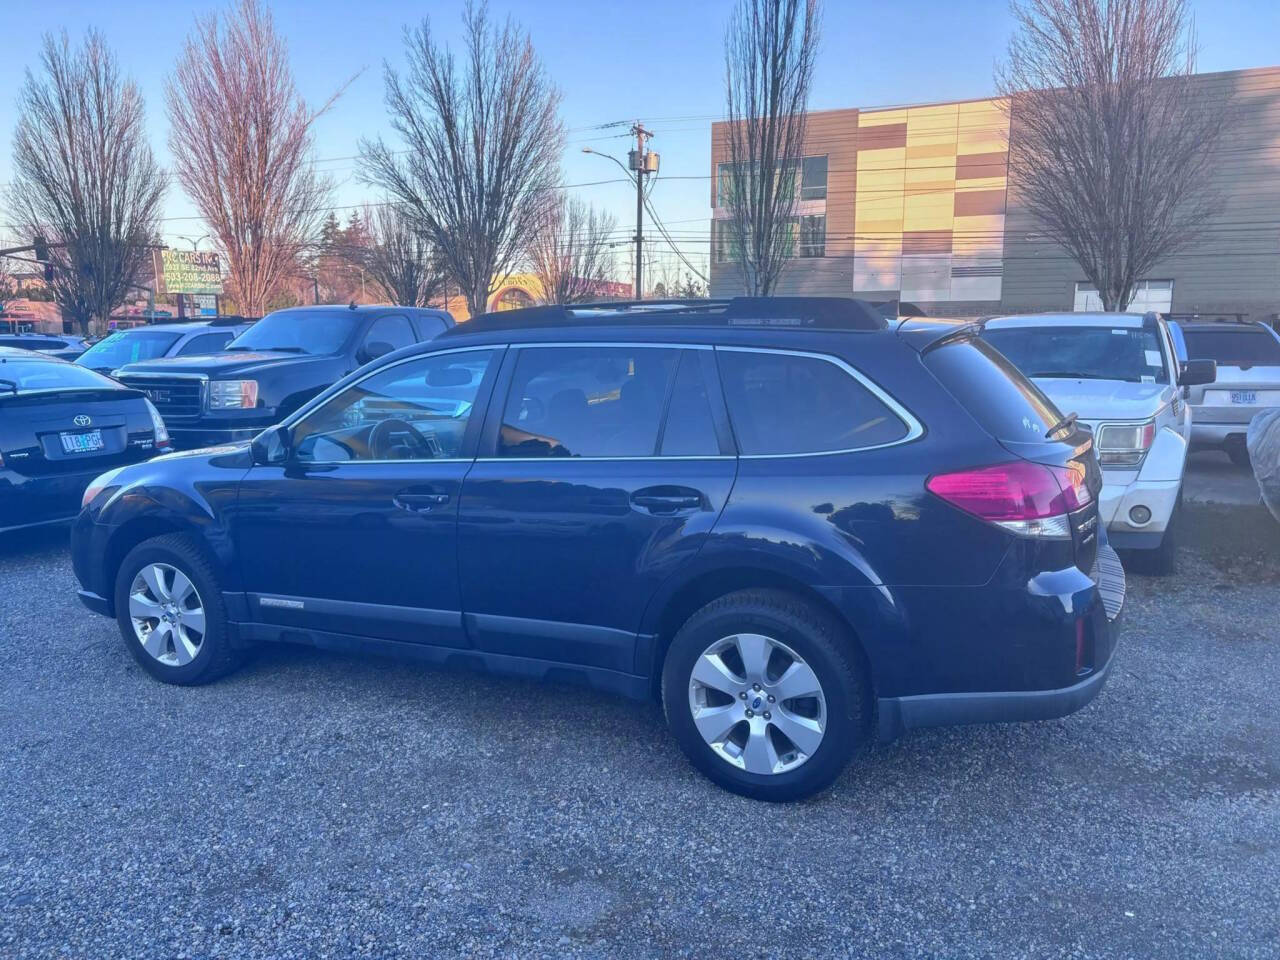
[1239, 454]
[794, 630]
[171, 613]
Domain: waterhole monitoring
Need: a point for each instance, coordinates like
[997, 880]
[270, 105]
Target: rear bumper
[955, 709]
[1094, 615]
[39, 501]
[1217, 434]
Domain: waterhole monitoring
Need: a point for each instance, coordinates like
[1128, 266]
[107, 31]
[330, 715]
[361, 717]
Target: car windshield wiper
[1066, 423]
[9, 385]
[269, 349]
[1067, 374]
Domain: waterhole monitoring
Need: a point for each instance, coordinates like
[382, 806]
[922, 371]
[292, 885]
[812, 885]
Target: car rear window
[786, 403]
[1006, 404]
[1241, 347]
[23, 376]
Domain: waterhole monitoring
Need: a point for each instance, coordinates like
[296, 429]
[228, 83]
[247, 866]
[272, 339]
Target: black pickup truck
[274, 367]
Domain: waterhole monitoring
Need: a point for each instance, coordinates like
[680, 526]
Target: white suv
[1119, 374]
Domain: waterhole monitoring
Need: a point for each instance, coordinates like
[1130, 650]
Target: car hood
[221, 365]
[1105, 399]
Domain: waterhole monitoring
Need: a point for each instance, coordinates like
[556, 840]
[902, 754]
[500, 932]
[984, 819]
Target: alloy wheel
[758, 705]
[167, 614]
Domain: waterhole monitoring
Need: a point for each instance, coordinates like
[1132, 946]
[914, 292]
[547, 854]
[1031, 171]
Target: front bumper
[1119, 497]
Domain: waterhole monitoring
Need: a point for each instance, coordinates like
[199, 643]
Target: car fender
[1167, 458]
[811, 557]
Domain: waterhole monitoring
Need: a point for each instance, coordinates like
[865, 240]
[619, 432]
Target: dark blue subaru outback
[798, 524]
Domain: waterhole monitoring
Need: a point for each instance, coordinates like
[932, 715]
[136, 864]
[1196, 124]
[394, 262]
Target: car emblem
[158, 395]
[82, 420]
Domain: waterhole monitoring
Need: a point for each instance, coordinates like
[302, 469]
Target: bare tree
[399, 259]
[570, 255]
[84, 176]
[1111, 145]
[769, 52]
[481, 142]
[241, 138]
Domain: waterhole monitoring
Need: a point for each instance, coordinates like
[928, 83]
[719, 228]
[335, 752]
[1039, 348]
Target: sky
[659, 62]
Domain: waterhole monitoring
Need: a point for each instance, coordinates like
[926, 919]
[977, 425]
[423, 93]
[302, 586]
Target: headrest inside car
[449, 377]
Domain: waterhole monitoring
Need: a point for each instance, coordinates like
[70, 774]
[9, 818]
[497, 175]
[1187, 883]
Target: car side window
[396, 332]
[586, 401]
[786, 403]
[429, 327]
[689, 430]
[415, 410]
[205, 343]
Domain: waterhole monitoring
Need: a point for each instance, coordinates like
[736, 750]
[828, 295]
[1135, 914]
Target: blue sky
[660, 62]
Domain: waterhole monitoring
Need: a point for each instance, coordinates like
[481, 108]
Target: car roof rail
[1240, 318]
[807, 313]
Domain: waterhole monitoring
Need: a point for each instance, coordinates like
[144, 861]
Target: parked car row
[798, 523]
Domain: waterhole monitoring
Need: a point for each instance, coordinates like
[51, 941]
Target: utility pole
[642, 163]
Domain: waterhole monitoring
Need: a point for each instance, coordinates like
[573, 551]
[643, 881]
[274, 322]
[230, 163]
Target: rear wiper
[1064, 424]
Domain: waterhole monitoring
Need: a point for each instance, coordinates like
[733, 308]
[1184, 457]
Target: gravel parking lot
[321, 805]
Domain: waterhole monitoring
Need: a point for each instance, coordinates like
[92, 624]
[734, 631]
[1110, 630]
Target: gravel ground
[321, 805]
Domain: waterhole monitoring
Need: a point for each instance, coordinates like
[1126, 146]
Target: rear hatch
[1027, 424]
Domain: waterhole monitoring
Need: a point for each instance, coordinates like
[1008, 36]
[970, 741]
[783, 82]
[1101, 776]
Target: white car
[1119, 374]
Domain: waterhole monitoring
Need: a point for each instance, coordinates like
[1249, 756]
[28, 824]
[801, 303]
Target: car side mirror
[373, 350]
[1197, 372]
[272, 445]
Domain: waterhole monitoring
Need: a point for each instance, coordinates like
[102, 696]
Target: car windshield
[24, 376]
[297, 331]
[128, 346]
[1133, 354]
[1234, 348]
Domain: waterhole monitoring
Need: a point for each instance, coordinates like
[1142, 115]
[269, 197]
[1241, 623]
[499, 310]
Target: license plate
[82, 442]
[1249, 397]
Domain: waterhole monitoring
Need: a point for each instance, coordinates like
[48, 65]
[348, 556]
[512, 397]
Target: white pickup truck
[1119, 374]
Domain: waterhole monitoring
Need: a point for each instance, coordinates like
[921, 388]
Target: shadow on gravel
[1243, 542]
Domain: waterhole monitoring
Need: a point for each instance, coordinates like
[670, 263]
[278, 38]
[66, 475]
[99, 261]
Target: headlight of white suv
[233, 394]
[1125, 444]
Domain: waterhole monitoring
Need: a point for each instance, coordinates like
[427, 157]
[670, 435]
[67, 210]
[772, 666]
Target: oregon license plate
[1244, 396]
[82, 442]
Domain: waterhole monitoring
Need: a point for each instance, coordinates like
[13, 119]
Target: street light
[195, 244]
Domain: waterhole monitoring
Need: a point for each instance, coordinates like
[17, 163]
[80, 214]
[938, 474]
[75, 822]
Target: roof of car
[192, 326]
[1123, 320]
[17, 353]
[1220, 326]
[362, 309]
[772, 313]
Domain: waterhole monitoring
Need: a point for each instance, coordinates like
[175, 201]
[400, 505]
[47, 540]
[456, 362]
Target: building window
[1148, 295]
[813, 179]
[813, 236]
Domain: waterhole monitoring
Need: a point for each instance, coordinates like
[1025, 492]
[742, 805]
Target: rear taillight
[1029, 499]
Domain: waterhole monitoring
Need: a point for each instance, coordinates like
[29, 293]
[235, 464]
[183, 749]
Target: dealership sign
[188, 271]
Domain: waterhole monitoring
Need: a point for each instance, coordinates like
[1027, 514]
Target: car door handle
[418, 502]
[667, 501]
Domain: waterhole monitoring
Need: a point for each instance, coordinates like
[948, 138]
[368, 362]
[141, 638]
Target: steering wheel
[383, 441]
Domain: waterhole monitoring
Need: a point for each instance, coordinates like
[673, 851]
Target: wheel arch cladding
[697, 592]
[132, 532]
